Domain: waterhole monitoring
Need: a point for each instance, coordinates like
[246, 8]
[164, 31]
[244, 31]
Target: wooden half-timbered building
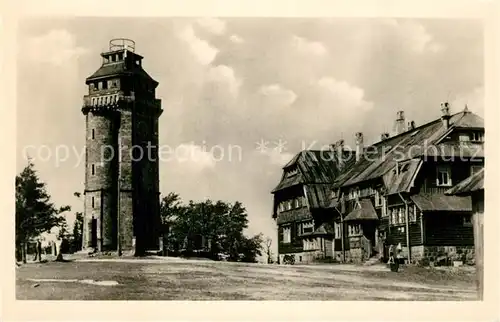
[394, 194]
[301, 206]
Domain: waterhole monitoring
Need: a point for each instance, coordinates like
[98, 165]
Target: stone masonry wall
[432, 253]
[100, 173]
[126, 207]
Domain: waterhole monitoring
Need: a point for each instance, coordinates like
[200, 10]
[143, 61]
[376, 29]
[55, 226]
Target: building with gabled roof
[404, 177]
[389, 193]
[302, 204]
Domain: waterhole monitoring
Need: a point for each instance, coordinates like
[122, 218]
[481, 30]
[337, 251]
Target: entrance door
[369, 233]
[94, 233]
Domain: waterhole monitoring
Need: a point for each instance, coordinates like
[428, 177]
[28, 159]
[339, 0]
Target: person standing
[36, 251]
[39, 249]
[393, 260]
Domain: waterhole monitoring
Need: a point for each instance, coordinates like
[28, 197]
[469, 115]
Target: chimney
[384, 136]
[359, 146]
[445, 114]
[400, 122]
[338, 150]
[411, 125]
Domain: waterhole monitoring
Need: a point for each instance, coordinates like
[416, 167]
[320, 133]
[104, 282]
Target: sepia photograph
[249, 158]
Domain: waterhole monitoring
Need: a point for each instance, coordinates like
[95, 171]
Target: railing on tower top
[122, 43]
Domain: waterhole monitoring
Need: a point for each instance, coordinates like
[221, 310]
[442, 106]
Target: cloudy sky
[227, 84]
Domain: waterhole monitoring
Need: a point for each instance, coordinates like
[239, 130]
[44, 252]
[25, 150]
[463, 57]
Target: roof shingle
[441, 202]
[415, 143]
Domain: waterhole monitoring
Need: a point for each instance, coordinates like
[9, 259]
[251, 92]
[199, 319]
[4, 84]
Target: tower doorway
[93, 238]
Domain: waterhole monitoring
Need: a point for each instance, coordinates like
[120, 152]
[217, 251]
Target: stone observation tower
[121, 207]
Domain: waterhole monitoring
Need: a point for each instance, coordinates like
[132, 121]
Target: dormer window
[291, 172]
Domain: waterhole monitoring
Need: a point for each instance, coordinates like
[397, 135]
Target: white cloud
[202, 50]
[190, 156]
[236, 39]
[278, 95]
[309, 47]
[276, 157]
[414, 36]
[225, 75]
[56, 47]
[342, 90]
[212, 25]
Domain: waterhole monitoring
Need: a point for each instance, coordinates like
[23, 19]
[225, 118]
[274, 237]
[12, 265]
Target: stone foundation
[433, 253]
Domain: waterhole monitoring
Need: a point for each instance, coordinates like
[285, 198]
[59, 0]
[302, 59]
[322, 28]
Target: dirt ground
[180, 279]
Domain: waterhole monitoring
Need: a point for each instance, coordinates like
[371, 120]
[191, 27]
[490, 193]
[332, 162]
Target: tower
[121, 205]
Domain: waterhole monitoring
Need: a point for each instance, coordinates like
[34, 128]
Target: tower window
[93, 134]
[93, 169]
[100, 85]
[93, 205]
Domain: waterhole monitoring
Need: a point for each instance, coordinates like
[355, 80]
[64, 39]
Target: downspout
[407, 227]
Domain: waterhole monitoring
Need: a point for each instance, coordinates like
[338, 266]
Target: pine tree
[35, 213]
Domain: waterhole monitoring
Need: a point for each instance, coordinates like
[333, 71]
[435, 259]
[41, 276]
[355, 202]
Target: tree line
[212, 229]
